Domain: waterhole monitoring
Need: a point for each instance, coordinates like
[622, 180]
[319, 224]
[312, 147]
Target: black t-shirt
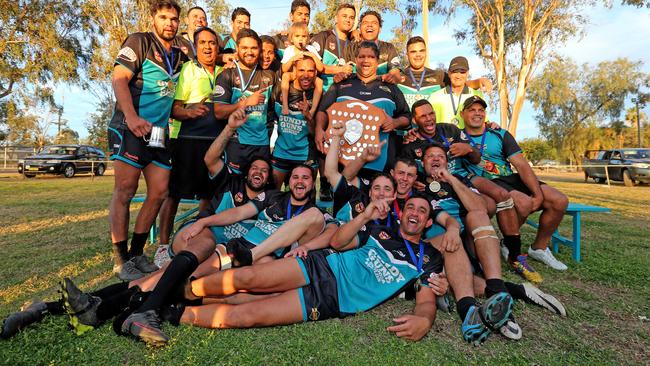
[388, 56]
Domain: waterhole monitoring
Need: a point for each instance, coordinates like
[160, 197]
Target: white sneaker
[504, 252]
[545, 256]
[162, 256]
[548, 302]
[511, 330]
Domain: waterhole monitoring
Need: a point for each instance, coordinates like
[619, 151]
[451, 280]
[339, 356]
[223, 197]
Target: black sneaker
[127, 271]
[80, 306]
[241, 255]
[146, 327]
[15, 322]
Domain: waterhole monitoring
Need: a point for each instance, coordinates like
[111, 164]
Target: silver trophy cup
[156, 138]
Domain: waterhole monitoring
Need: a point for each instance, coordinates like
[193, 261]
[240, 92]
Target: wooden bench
[575, 210]
[153, 233]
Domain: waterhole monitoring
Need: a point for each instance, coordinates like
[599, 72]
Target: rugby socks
[55, 307]
[137, 244]
[111, 290]
[494, 286]
[463, 305]
[116, 303]
[517, 291]
[120, 252]
[513, 243]
[179, 269]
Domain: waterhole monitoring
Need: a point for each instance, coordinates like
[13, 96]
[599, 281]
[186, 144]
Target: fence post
[607, 175]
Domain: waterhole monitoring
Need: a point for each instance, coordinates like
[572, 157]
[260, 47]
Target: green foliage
[572, 102]
[43, 41]
[67, 136]
[536, 149]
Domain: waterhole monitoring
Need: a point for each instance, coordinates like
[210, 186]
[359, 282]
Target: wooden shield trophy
[362, 124]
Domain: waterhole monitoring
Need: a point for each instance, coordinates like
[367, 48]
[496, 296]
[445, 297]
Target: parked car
[64, 159]
[627, 165]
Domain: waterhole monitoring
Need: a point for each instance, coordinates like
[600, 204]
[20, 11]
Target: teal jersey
[496, 148]
[231, 193]
[378, 93]
[231, 86]
[331, 49]
[227, 44]
[276, 212]
[446, 135]
[293, 129]
[380, 268]
[443, 197]
[155, 74]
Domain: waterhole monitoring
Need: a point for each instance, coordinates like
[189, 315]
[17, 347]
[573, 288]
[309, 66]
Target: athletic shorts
[126, 147]
[285, 165]
[189, 176]
[239, 155]
[513, 182]
[319, 297]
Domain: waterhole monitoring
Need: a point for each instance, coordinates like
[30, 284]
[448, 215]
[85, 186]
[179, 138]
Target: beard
[304, 197]
[251, 185]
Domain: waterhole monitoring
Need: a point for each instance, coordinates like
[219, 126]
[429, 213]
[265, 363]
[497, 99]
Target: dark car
[630, 166]
[64, 159]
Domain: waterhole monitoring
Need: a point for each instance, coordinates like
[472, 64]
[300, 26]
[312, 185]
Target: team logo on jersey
[314, 314]
[418, 152]
[219, 91]
[426, 259]
[384, 235]
[384, 88]
[261, 196]
[127, 54]
[463, 136]
[266, 80]
[359, 207]
[365, 181]
[442, 193]
[332, 46]
[239, 197]
[157, 56]
[434, 204]
[431, 80]
[395, 61]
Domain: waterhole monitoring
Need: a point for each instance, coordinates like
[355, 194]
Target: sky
[619, 31]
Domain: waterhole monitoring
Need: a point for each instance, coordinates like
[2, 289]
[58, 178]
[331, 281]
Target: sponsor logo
[127, 54]
[442, 193]
[130, 156]
[239, 197]
[435, 205]
[364, 93]
[384, 272]
[384, 88]
[426, 259]
[359, 207]
[384, 235]
[157, 56]
[431, 80]
[332, 46]
[219, 91]
[261, 196]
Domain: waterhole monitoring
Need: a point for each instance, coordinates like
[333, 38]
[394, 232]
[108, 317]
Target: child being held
[299, 36]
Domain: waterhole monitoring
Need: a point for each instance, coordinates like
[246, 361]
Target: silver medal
[434, 186]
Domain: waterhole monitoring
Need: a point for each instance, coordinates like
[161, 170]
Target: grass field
[55, 227]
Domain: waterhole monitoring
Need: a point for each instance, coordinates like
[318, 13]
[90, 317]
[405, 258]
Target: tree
[512, 35]
[43, 41]
[536, 150]
[572, 102]
[67, 136]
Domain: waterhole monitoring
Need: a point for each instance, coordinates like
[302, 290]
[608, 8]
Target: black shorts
[126, 147]
[189, 176]
[285, 165]
[513, 182]
[319, 297]
[238, 156]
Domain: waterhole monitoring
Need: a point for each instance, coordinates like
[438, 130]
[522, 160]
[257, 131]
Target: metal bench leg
[576, 236]
[153, 232]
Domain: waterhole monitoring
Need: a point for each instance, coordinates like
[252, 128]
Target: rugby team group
[412, 202]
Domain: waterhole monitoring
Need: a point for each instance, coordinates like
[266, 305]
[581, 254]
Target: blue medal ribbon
[417, 261]
[169, 58]
[289, 215]
[387, 220]
[453, 104]
[338, 43]
[471, 141]
[417, 85]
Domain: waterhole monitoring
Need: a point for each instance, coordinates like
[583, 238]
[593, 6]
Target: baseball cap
[474, 99]
[459, 63]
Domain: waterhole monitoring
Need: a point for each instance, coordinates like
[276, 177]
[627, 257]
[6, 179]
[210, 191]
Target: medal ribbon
[289, 215]
[241, 77]
[338, 43]
[387, 220]
[169, 58]
[453, 103]
[471, 141]
[417, 85]
[417, 261]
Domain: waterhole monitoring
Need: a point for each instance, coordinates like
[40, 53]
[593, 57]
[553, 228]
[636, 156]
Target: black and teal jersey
[446, 135]
[496, 147]
[331, 49]
[442, 196]
[349, 200]
[276, 212]
[230, 192]
[155, 74]
[381, 94]
[293, 129]
[421, 84]
[226, 44]
[388, 57]
[230, 88]
[186, 46]
[380, 268]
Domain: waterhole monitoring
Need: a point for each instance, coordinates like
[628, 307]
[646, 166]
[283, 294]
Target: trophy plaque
[362, 125]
